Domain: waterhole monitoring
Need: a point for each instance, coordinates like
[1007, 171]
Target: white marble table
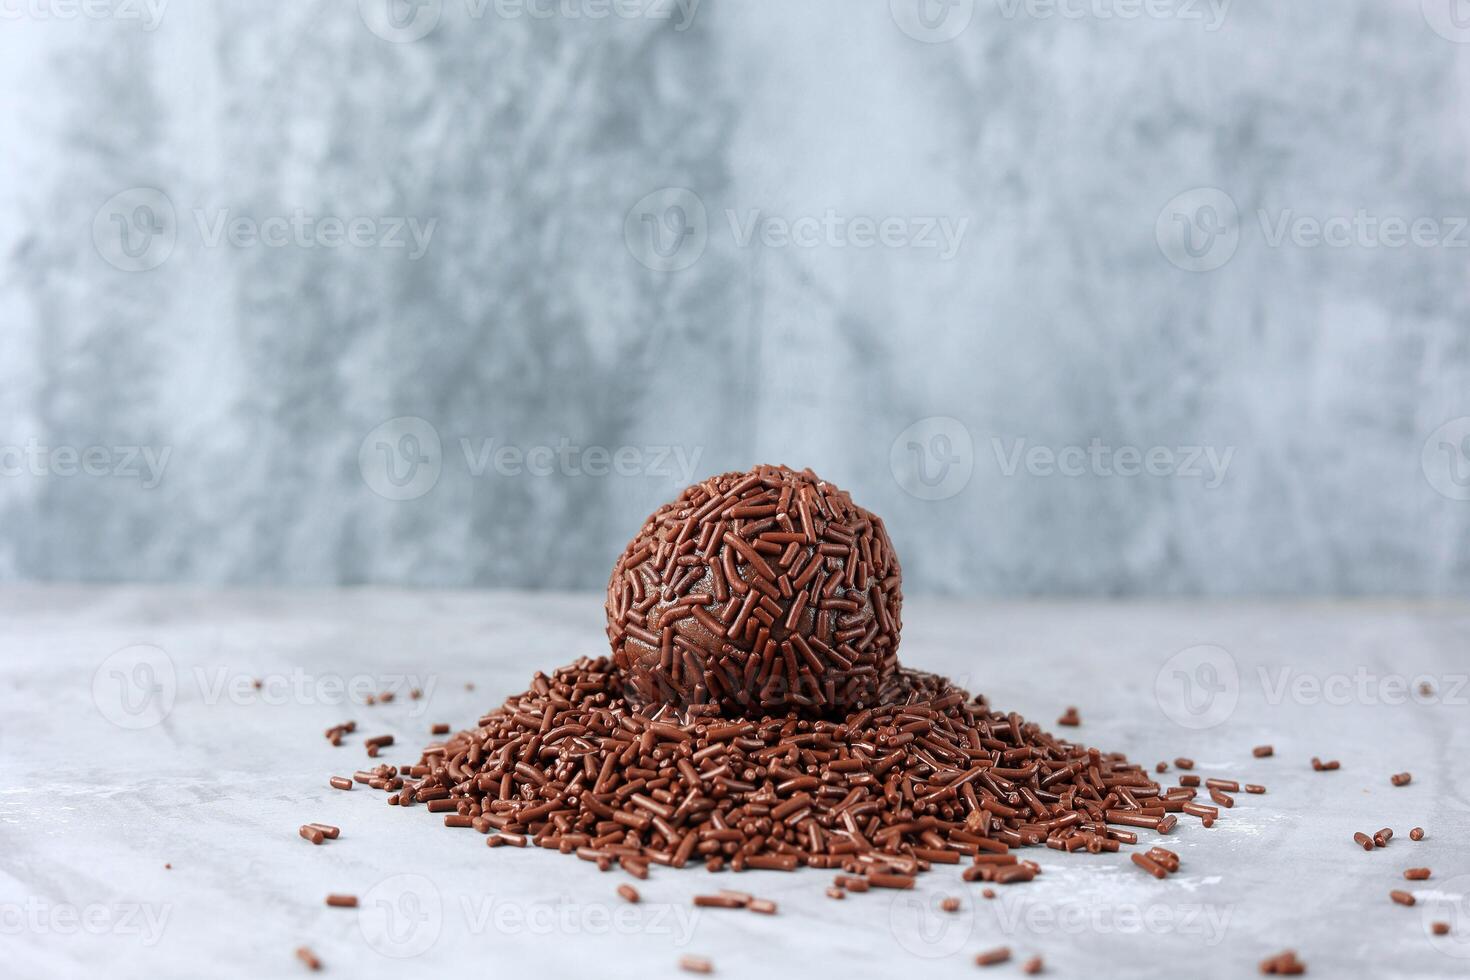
[132, 737]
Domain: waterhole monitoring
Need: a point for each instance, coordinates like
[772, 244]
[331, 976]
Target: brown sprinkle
[340, 782]
[834, 892]
[1319, 766]
[342, 901]
[1263, 751]
[950, 904]
[1401, 779]
[987, 892]
[312, 834]
[696, 964]
[994, 956]
[628, 893]
[1416, 874]
[1284, 963]
[1184, 763]
[1383, 837]
[308, 957]
[1364, 841]
[1033, 965]
[1402, 897]
[331, 832]
[1070, 717]
[1416, 834]
[1439, 928]
[440, 728]
[762, 905]
[1255, 788]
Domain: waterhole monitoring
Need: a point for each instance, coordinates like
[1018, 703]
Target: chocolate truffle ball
[767, 592]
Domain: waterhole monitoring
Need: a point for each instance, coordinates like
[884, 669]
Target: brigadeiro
[765, 591]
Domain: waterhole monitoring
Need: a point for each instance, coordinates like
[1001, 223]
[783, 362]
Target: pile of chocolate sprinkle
[931, 776]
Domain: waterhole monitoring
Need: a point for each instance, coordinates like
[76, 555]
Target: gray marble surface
[1159, 225]
[132, 737]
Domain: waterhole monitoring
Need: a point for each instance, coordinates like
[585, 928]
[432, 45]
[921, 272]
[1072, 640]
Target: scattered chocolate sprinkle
[1161, 767]
[1319, 766]
[950, 904]
[1363, 840]
[1263, 751]
[1190, 781]
[312, 834]
[340, 782]
[1416, 834]
[1033, 965]
[1255, 788]
[762, 905]
[696, 964]
[1383, 837]
[834, 892]
[441, 728]
[1184, 763]
[308, 957]
[628, 893]
[1070, 717]
[1284, 964]
[1403, 898]
[332, 833]
[993, 957]
[1439, 928]
[1401, 779]
[987, 892]
[342, 901]
[1416, 874]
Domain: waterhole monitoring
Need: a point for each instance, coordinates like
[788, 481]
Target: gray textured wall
[1086, 296]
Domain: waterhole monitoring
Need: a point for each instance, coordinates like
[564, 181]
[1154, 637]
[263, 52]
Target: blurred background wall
[1084, 296]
